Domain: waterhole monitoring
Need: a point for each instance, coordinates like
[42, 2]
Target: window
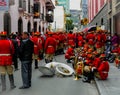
[24, 5]
[29, 6]
[36, 10]
[20, 3]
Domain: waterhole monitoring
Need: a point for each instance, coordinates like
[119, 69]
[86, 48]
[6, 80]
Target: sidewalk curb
[99, 87]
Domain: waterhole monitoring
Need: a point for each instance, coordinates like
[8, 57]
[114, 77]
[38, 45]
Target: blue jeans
[26, 72]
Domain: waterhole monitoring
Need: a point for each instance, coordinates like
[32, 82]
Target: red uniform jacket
[50, 45]
[71, 40]
[37, 44]
[98, 44]
[103, 70]
[56, 38]
[116, 50]
[90, 37]
[80, 40]
[98, 37]
[6, 52]
[69, 53]
[96, 62]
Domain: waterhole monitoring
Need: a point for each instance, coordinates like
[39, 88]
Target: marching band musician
[116, 52]
[50, 48]
[70, 37]
[90, 37]
[88, 74]
[102, 71]
[79, 68]
[80, 40]
[69, 55]
[37, 47]
[6, 54]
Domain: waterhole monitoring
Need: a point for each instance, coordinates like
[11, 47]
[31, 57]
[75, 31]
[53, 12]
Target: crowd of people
[92, 53]
[89, 50]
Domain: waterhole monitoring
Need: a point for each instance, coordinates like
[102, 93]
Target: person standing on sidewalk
[6, 54]
[26, 49]
[15, 55]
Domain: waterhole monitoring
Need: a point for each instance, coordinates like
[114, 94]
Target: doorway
[20, 26]
[7, 23]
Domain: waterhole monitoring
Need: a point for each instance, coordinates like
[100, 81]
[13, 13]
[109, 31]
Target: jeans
[26, 72]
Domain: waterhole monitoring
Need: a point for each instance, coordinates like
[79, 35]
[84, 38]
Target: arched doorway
[7, 23]
[39, 28]
[102, 21]
[20, 26]
[29, 27]
[35, 26]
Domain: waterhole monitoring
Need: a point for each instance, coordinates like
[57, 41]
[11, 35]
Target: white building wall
[1, 20]
[58, 18]
[14, 14]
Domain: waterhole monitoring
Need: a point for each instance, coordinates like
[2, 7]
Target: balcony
[49, 5]
[49, 18]
[22, 5]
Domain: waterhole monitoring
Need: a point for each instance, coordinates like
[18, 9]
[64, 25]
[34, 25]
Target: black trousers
[26, 72]
[15, 61]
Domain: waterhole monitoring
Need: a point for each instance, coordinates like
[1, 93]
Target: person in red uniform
[90, 37]
[37, 47]
[69, 54]
[88, 74]
[6, 54]
[98, 44]
[80, 40]
[103, 69]
[50, 48]
[70, 37]
[116, 53]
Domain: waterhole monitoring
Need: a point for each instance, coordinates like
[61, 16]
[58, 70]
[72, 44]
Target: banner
[4, 5]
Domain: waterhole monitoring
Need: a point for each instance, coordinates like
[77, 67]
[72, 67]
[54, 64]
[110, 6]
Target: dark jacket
[26, 49]
[15, 43]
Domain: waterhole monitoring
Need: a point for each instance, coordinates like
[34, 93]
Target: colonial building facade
[26, 15]
[98, 13]
[114, 16]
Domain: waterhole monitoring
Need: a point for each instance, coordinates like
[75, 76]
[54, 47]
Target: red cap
[3, 33]
[49, 32]
[102, 55]
[37, 33]
[89, 55]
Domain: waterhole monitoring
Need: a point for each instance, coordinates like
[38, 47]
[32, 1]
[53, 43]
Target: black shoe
[16, 69]
[29, 85]
[36, 67]
[12, 87]
[24, 87]
[86, 80]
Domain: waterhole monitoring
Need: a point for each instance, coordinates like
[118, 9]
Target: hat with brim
[3, 33]
[37, 33]
[102, 55]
